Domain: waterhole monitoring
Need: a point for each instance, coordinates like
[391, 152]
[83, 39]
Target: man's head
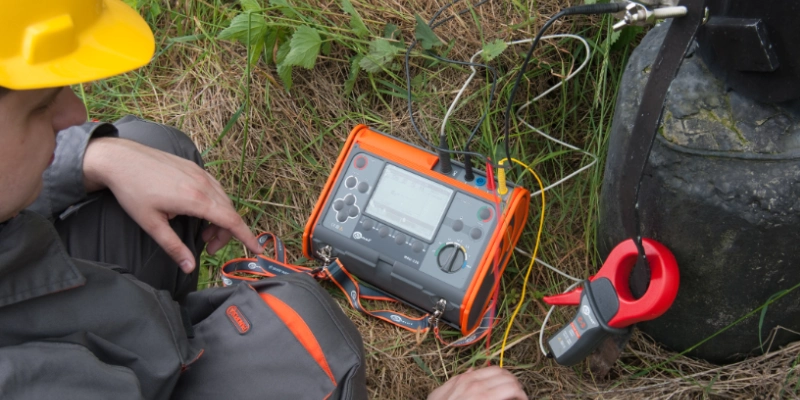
[29, 120]
[47, 46]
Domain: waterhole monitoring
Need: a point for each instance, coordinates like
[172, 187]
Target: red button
[360, 162]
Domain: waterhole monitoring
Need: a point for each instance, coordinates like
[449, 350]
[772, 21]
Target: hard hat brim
[119, 41]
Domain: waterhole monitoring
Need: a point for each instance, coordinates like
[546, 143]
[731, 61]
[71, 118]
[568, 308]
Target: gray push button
[384, 231]
[349, 200]
[417, 247]
[361, 162]
[363, 187]
[341, 217]
[485, 213]
[353, 212]
[475, 233]
[399, 238]
[338, 204]
[458, 225]
[350, 182]
[368, 224]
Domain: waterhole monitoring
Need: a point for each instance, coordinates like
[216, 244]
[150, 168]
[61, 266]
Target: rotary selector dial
[451, 258]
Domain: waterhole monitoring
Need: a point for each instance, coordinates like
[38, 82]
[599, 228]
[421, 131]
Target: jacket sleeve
[55, 370]
[63, 180]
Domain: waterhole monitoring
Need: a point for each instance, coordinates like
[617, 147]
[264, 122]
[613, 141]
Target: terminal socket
[444, 155]
[469, 176]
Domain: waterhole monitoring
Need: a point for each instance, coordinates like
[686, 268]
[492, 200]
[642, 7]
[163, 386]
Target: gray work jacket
[63, 180]
[72, 329]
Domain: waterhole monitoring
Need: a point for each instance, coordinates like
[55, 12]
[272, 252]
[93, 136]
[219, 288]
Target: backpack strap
[241, 270]
[354, 291]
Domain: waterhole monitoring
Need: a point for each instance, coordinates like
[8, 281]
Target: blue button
[480, 181]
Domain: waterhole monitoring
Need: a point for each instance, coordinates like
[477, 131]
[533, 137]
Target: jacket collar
[33, 261]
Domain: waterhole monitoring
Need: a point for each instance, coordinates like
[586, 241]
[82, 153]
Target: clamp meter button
[353, 212]
[458, 225]
[368, 224]
[384, 231]
[451, 258]
[475, 233]
[485, 214]
[350, 182]
[341, 217]
[400, 238]
[338, 204]
[417, 247]
[363, 187]
[361, 162]
[349, 200]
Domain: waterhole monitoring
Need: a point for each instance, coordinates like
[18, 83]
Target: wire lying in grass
[538, 97]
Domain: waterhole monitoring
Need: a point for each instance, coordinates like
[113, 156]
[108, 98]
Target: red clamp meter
[606, 305]
[396, 222]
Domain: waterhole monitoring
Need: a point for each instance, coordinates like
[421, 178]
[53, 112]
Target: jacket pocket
[55, 370]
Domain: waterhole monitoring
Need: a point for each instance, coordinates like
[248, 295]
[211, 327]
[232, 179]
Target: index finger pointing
[231, 221]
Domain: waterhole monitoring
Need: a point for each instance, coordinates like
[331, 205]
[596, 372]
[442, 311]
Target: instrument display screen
[409, 201]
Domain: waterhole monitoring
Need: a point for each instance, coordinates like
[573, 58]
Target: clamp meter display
[398, 223]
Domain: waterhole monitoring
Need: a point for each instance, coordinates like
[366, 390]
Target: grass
[273, 149]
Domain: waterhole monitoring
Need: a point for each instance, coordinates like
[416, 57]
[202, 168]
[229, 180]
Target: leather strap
[637, 152]
[648, 117]
[242, 270]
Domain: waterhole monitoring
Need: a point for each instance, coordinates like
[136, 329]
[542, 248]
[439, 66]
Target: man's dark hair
[3, 91]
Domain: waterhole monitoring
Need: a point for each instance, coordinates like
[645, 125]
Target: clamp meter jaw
[398, 223]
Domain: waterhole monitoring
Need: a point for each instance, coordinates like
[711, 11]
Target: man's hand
[490, 383]
[153, 186]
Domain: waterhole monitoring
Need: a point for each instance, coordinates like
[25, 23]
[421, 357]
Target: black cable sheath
[434, 24]
[507, 117]
[595, 9]
[588, 9]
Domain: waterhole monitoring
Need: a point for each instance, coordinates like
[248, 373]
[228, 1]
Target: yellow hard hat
[51, 43]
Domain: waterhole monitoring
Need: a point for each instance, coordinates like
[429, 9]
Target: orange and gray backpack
[277, 338]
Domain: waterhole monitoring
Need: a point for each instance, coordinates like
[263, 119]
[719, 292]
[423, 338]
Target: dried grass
[293, 140]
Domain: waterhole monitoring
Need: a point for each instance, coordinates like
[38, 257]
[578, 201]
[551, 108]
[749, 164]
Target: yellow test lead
[533, 257]
[502, 188]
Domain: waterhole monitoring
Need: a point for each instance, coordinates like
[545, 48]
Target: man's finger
[209, 233]
[231, 221]
[506, 392]
[499, 381]
[166, 237]
[486, 373]
[219, 241]
[491, 383]
[220, 214]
